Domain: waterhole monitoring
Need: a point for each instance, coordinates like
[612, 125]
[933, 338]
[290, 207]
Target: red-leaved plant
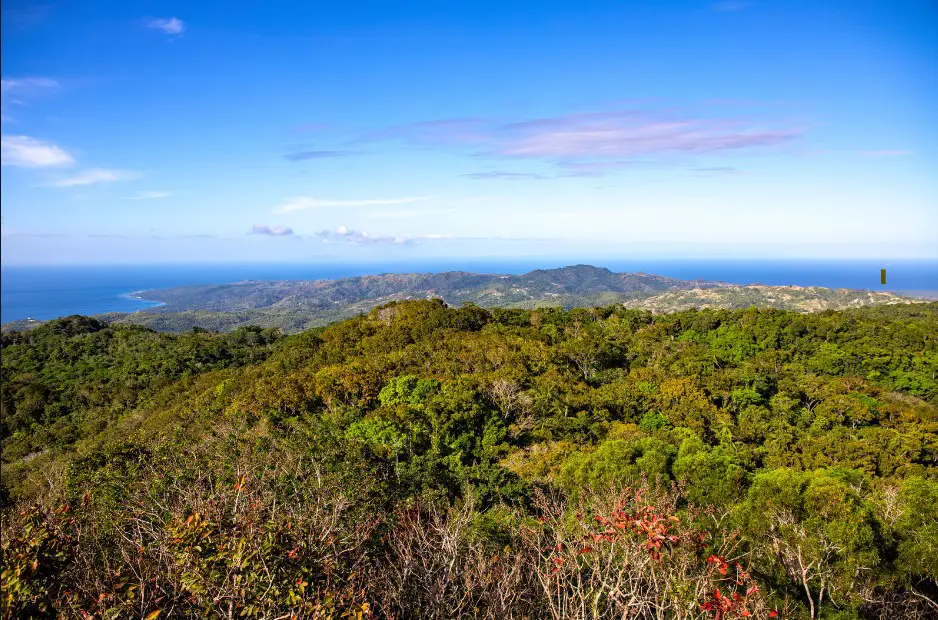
[629, 554]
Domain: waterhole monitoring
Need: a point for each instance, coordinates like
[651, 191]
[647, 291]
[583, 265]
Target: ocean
[49, 292]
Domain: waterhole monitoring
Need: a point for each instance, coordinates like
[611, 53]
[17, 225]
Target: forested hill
[297, 305]
[425, 461]
[580, 282]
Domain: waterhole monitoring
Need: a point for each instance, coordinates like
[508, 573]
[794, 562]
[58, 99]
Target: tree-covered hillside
[296, 305]
[455, 286]
[423, 461]
[71, 377]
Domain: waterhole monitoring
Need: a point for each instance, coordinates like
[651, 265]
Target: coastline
[44, 293]
[135, 295]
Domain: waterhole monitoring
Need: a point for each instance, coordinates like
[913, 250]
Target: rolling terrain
[427, 461]
[798, 298]
[296, 305]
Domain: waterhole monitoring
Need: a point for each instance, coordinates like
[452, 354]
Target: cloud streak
[93, 176]
[504, 175]
[326, 154]
[344, 234]
[465, 131]
[15, 90]
[717, 170]
[271, 231]
[408, 213]
[148, 195]
[571, 168]
[13, 85]
[593, 143]
[629, 134]
[170, 26]
[304, 203]
[27, 152]
[599, 168]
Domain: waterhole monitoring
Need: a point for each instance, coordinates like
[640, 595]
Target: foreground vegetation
[425, 461]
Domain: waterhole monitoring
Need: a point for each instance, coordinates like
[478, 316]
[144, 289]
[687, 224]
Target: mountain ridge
[296, 305]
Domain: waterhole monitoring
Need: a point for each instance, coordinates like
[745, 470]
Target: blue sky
[147, 132]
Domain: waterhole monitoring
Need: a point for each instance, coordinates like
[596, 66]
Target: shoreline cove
[43, 293]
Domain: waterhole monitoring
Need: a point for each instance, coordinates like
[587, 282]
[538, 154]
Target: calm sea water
[49, 292]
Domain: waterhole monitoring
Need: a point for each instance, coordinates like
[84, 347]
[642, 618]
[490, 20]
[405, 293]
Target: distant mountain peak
[294, 305]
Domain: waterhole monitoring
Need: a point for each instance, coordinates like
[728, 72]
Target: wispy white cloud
[621, 134]
[28, 235]
[503, 175]
[408, 213]
[600, 168]
[27, 152]
[301, 155]
[345, 234]
[9, 86]
[304, 203]
[93, 176]
[595, 143]
[271, 231]
[171, 26]
[717, 170]
[571, 168]
[148, 195]
[16, 90]
[13, 89]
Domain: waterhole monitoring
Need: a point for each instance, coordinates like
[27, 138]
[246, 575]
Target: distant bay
[48, 292]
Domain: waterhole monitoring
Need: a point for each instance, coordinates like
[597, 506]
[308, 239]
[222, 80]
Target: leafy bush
[425, 461]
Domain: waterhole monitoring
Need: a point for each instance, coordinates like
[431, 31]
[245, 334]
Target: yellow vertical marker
[882, 276]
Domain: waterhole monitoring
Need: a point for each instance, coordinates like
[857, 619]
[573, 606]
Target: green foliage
[711, 477]
[820, 526]
[619, 462]
[37, 550]
[71, 378]
[408, 390]
[809, 441]
[917, 527]
[380, 433]
[653, 421]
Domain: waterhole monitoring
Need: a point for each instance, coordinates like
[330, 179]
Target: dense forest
[423, 461]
